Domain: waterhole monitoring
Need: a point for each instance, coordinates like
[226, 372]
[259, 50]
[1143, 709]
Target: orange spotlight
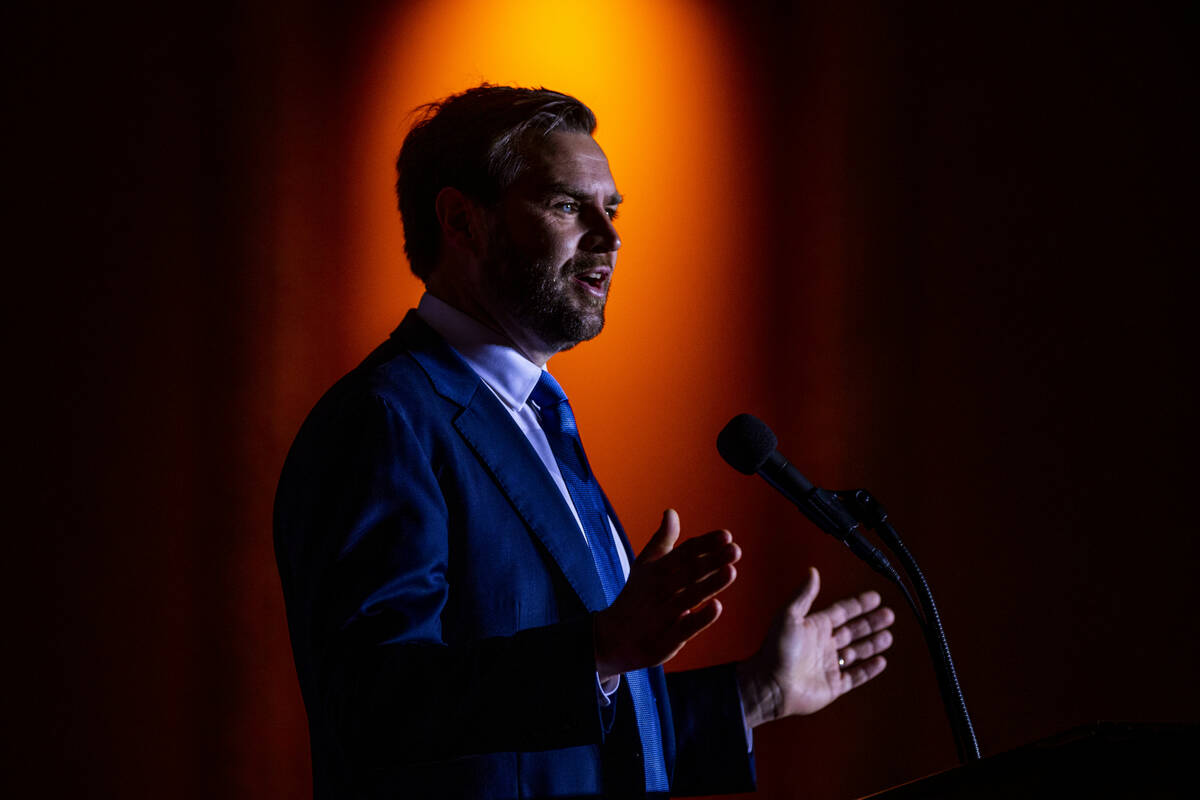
[656, 74]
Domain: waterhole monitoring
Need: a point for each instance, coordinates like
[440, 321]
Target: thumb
[664, 539]
[802, 601]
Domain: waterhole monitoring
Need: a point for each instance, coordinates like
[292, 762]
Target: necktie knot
[547, 392]
[552, 404]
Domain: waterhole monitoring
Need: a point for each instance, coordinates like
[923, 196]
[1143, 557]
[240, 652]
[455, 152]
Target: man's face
[552, 245]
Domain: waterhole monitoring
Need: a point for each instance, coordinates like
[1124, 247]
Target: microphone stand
[867, 511]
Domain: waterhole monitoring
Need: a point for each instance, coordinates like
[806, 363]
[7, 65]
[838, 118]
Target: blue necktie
[558, 423]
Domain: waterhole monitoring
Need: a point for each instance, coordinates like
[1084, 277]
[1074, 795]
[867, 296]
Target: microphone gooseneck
[750, 447]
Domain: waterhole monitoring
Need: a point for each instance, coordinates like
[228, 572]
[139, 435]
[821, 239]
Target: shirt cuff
[606, 689]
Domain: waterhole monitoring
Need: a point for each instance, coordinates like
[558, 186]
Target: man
[466, 614]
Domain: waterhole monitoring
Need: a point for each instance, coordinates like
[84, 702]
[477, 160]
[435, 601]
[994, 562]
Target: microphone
[749, 446]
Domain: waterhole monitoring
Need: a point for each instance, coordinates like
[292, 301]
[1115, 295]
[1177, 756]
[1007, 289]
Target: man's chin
[591, 325]
[567, 333]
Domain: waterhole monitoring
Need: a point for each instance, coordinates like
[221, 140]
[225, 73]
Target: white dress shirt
[511, 377]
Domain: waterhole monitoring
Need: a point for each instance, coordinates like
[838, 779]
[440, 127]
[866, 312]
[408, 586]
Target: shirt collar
[509, 374]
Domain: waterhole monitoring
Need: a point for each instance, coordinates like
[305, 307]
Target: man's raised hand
[669, 598]
[808, 660]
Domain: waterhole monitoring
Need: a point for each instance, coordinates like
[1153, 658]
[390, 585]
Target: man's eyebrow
[614, 199]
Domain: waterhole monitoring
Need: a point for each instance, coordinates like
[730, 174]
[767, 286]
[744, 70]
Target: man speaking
[467, 616]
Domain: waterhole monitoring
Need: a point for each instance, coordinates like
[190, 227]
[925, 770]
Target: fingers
[700, 591]
[863, 625]
[664, 539]
[668, 598]
[700, 557]
[694, 606]
[692, 623]
[864, 648]
[851, 607]
[865, 671]
[802, 601]
[688, 626]
[678, 578]
[706, 544]
[676, 565]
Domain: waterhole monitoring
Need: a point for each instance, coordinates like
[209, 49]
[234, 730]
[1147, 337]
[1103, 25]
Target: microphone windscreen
[746, 443]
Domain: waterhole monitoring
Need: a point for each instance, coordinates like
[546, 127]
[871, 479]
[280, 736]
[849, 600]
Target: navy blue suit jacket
[440, 600]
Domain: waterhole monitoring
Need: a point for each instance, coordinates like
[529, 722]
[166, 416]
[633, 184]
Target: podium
[1108, 759]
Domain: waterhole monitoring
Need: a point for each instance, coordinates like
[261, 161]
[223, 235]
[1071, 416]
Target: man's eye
[568, 207]
[612, 213]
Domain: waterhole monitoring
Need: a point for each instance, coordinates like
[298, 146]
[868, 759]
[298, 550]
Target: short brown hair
[473, 142]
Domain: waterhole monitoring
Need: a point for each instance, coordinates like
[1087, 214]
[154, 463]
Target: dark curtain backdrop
[973, 293]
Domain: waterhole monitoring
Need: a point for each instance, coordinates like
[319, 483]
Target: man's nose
[601, 236]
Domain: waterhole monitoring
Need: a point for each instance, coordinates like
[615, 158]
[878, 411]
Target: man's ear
[460, 219]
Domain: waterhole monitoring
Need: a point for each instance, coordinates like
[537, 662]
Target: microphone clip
[863, 506]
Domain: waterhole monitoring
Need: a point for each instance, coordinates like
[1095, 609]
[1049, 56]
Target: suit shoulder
[413, 380]
[390, 378]
[386, 407]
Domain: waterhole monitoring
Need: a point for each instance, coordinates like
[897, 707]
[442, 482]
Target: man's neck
[512, 333]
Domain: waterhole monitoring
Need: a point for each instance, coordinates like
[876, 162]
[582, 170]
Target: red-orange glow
[656, 75]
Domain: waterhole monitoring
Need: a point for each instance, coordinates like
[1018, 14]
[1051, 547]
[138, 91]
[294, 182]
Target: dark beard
[542, 295]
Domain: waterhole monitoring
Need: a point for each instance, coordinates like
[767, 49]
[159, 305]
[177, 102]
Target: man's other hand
[669, 598]
[808, 660]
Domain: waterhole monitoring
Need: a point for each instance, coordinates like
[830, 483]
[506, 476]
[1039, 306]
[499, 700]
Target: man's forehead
[562, 160]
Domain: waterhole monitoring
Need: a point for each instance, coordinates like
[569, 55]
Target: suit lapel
[520, 474]
[493, 435]
[624, 539]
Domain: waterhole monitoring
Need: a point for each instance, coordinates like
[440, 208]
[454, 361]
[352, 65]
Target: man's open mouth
[595, 279]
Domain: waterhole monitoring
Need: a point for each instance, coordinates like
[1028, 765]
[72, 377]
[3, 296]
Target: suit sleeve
[362, 538]
[711, 749]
